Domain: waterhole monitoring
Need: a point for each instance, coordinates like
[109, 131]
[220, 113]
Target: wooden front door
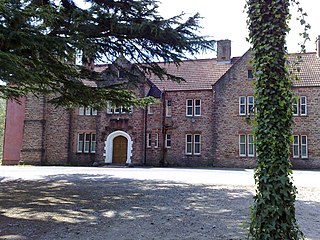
[120, 146]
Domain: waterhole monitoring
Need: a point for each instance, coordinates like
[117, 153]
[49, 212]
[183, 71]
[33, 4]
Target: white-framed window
[250, 101]
[93, 143]
[197, 107]
[304, 146]
[80, 142]
[112, 109]
[86, 143]
[168, 141]
[86, 147]
[247, 145]
[300, 146]
[246, 105]
[156, 141]
[242, 105]
[81, 110]
[168, 108]
[295, 106]
[299, 106]
[296, 148]
[197, 144]
[149, 140]
[193, 107]
[303, 105]
[193, 144]
[242, 145]
[88, 111]
[94, 112]
[251, 146]
[188, 144]
[189, 107]
[150, 109]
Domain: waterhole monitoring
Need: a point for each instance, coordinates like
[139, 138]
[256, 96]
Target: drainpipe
[145, 134]
[162, 160]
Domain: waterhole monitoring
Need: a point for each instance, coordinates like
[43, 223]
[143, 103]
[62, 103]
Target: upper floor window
[111, 109]
[86, 143]
[193, 107]
[168, 108]
[150, 109]
[87, 111]
[250, 74]
[300, 146]
[246, 105]
[299, 106]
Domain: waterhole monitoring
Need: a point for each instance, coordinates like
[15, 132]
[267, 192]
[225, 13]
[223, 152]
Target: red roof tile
[198, 74]
[309, 69]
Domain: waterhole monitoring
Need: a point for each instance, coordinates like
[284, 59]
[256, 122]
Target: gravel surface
[83, 208]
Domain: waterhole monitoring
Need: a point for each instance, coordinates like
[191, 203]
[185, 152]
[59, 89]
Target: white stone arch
[108, 146]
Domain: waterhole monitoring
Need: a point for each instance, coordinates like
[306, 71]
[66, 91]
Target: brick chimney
[224, 50]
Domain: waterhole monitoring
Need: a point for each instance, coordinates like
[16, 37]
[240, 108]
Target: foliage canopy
[39, 40]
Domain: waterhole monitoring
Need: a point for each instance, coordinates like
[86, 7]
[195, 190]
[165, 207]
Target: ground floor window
[193, 144]
[300, 146]
[246, 145]
[86, 143]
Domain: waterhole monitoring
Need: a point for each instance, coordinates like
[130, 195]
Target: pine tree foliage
[39, 39]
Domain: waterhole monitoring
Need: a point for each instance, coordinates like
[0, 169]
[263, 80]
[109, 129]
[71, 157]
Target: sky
[226, 19]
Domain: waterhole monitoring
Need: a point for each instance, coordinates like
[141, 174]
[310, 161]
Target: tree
[39, 40]
[273, 210]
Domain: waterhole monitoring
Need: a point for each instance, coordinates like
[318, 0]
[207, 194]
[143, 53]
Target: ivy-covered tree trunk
[273, 210]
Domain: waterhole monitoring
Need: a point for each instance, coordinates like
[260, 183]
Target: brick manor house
[199, 122]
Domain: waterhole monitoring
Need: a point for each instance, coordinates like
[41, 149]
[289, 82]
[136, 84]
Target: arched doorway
[119, 151]
[118, 148]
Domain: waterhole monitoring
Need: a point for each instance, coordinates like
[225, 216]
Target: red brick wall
[179, 125]
[13, 132]
[228, 124]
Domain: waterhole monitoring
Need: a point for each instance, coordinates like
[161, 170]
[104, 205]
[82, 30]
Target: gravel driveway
[100, 206]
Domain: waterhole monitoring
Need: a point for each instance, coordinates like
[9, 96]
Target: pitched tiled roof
[309, 69]
[198, 74]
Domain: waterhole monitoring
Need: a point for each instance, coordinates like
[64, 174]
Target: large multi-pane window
[113, 109]
[300, 146]
[193, 144]
[86, 143]
[193, 107]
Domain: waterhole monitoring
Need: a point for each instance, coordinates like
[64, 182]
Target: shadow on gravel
[98, 207]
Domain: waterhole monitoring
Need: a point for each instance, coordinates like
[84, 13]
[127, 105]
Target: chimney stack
[224, 50]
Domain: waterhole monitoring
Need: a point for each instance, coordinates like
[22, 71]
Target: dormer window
[121, 74]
